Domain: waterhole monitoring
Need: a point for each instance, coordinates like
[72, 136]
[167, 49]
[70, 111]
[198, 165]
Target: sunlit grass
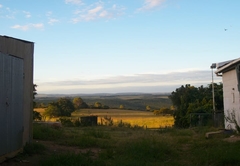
[147, 122]
[40, 110]
[140, 118]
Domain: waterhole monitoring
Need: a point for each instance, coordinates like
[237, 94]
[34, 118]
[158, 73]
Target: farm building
[89, 120]
[16, 95]
[230, 73]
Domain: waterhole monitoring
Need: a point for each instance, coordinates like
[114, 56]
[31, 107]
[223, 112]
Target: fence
[207, 119]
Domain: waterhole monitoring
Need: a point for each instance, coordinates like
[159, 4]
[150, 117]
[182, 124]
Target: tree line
[189, 100]
[64, 107]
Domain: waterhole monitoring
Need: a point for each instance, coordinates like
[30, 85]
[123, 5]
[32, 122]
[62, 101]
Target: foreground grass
[140, 147]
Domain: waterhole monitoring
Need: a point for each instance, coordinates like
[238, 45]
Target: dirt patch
[232, 138]
[51, 148]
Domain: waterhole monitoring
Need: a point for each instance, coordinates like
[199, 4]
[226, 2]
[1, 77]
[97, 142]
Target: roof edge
[224, 67]
[9, 37]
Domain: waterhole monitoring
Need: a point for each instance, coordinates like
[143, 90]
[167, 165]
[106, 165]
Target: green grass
[33, 148]
[126, 146]
[46, 132]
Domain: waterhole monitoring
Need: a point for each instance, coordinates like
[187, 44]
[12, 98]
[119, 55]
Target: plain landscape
[132, 136]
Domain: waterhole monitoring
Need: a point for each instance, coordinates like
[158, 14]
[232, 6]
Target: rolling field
[140, 118]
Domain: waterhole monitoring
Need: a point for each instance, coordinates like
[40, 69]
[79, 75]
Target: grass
[45, 132]
[33, 148]
[125, 146]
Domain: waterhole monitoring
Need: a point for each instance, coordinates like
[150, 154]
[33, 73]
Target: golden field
[133, 117]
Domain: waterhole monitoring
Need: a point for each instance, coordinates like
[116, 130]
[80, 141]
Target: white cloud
[49, 13]
[27, 14]
[73, 1]
[92, 14]
[138, 82]
[38, 26]
[97, 11]
[150, 4]
[1, 6]
[104, 14]
[28, 26]
[51, 21]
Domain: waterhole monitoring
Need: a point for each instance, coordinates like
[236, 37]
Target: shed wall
[231, 96]
[11, 107]
[23, 50]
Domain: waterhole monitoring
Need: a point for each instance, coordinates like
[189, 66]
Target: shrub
[66, 122]
[37, 116]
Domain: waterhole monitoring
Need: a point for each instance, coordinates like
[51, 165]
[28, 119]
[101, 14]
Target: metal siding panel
[2, 108]
[11, 108]
[16, 99]
[7, 89]
[5, 65]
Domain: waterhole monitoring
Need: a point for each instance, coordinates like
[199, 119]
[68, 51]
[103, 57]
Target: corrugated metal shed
[16, 95]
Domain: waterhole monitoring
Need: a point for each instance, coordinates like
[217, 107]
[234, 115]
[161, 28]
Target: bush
[37, 116]
[66, 122]
[108, 121]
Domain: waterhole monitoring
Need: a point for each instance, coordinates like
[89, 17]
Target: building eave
[227, 67]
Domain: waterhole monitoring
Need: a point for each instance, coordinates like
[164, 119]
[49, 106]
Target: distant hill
[101, 94]
[134, 101]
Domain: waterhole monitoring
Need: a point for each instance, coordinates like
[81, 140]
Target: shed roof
[229, 65]
[25, 41]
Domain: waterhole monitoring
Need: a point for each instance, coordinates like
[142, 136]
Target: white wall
[231, 96]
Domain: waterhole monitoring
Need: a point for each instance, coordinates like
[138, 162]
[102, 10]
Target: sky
[117, 46]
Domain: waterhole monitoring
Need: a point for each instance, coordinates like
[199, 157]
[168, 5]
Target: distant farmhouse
[230, 73]
[16, 95]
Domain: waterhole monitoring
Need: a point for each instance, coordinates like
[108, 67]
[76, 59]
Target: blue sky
[109, 46]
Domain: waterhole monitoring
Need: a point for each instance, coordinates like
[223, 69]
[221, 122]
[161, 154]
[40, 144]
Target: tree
[121, 106]
[63, 107]
[66, 106]
[34, 94]
[165, 110]
[181, 99]
[36, 115]
[189, 99]
[156, 112]
[79, 103]
[97, 105]
[52, 110]
[148, 108]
